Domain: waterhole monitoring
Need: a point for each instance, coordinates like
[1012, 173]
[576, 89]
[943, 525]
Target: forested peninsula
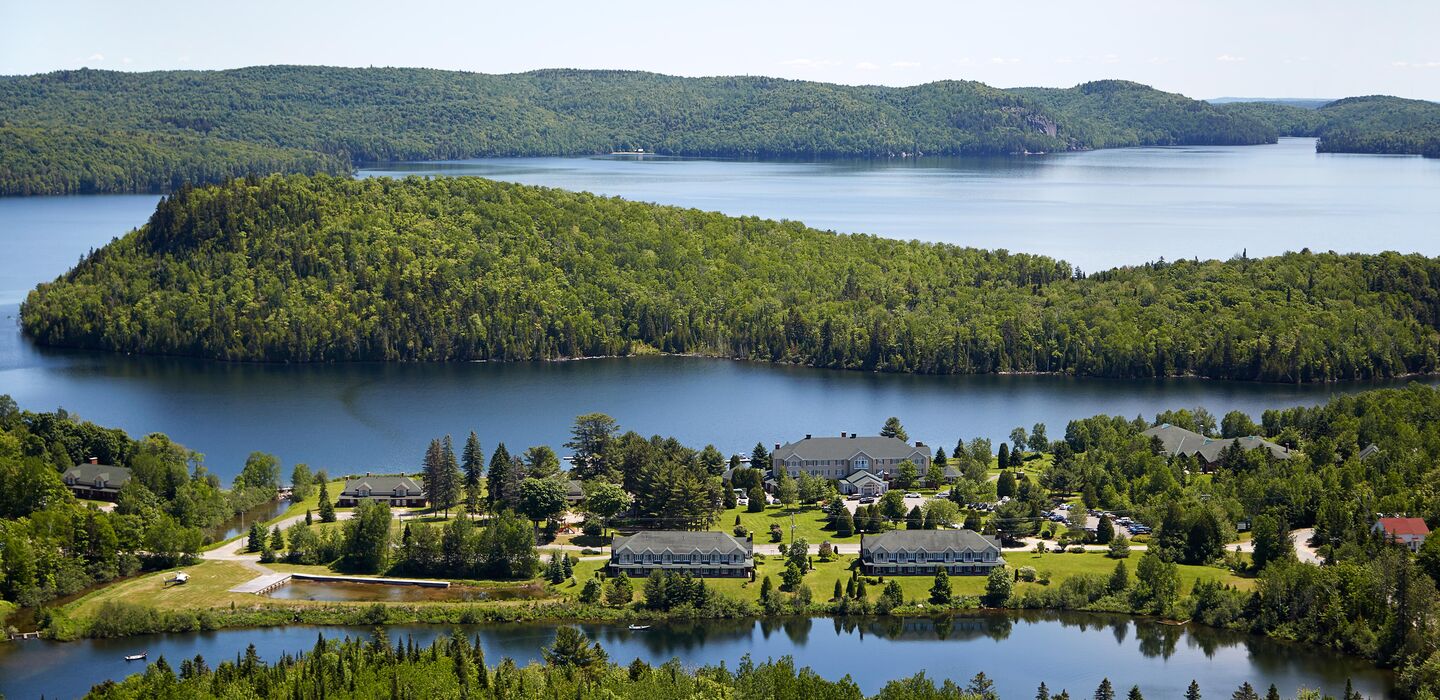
[317, 269]
[90, 131]
[1373, 124]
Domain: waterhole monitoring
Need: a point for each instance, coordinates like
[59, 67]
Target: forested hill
[104, 131]
[300, 269]
[1375, 124]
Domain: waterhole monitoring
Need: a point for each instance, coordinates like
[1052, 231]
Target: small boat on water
[639, 628]
[136, 657]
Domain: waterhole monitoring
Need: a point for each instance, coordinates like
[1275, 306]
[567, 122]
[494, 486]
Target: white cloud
[1227, 58]
[1416, 64]
[96, 57]
[904, 64]
[999, 60]
[810, 63]
[866, 65]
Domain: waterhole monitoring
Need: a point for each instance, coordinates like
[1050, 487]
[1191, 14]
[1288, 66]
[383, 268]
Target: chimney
[807, 436]
[842, 434]
[852, 436]
[919, 444]
[777, 445]
[94, 460]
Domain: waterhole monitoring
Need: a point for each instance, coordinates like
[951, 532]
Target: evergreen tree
[1134, 693]
[1003, 459]
[894, 429]
[1192, 692]
[277, 539]
[499, 479]
[621, 591]
[1106, 691]
[1246, 692]
[472, 460]
[327, 507]
[1042, 693]
[1105, 530]
[940, 591]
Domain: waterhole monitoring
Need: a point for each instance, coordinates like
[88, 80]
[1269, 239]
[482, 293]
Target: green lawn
[809, 523]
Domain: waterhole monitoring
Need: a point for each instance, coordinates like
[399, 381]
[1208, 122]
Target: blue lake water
[1099, 209]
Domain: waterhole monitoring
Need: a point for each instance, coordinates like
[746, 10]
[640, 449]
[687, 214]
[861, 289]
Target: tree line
[104, 131]
[312, 269]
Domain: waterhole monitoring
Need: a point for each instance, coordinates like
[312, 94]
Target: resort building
[95, 481]
[402, 491]
[843, 458]
[923, 552]
[1179, 441]
[1409, 532]
[708, 554]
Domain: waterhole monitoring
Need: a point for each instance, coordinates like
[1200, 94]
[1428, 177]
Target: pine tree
[309, 519]
[1273, 693]
[327, 508]
[1042, 693]
[499, 478]
[894, 429]
[1193, 692]
[1134, 693]
[839, 591]
[1106, 691]
[277, 539]
[567, 565]
[449, 478]
[1246, 692]
[256, 540]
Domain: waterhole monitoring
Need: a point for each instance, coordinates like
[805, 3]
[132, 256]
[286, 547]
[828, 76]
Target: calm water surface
[1066, 651]
[1098, 208]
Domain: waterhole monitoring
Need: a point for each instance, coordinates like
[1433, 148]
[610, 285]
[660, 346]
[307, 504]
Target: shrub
[1027, 573]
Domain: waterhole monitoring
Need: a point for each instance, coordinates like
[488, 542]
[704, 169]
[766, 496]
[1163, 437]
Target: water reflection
[1077, 651]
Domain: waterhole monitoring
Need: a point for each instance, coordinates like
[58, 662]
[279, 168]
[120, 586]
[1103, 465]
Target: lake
[1071, 651]
[1098, 208]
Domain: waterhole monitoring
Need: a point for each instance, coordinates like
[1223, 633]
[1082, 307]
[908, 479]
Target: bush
[592, 529]
[741, 531]
[1027, 573]
[1077, 549]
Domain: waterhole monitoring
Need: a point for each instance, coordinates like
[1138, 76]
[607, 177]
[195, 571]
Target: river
[1099, 208]
[1070, 651]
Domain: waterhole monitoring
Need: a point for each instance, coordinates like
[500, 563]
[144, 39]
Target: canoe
[637, 628]
[136, 657]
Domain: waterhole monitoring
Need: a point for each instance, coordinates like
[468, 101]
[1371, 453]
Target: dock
[260, 585]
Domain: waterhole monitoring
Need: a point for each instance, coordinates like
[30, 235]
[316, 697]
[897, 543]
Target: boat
[136, 657]
[639, 628]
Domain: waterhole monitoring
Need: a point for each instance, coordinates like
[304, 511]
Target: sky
[1202, 48]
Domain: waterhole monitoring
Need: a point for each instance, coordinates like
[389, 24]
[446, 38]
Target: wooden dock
[260, 585]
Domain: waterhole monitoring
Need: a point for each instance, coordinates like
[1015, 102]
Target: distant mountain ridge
[88, 131]
[102, 131]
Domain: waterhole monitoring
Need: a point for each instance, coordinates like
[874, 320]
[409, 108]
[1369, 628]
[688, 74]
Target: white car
[912, 494]
[742, 502]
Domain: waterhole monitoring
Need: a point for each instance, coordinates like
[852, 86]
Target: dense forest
[89, 131]
[572, 666]
[302, 269]
[1374, 124]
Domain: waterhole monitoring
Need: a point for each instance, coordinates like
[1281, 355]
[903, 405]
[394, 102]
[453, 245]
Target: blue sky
[1203, 48]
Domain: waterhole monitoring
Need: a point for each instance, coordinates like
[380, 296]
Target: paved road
[1301, 537]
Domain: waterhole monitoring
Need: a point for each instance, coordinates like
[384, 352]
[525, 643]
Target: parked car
[742, 502]
[912, 494]
[943, 494]
[866, 501]
[853, 497]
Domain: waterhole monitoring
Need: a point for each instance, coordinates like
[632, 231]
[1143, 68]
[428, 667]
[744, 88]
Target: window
[862, 464]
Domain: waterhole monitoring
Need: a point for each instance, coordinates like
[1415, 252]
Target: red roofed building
[1410, 532]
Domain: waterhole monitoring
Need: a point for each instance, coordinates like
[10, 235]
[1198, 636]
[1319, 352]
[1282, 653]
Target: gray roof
[927, 541]
[1179, 441]
[382, 485]
[679, 542]
[574, 489]
[85, 473]
[860, 476]
[1370, 450]
[832, 448]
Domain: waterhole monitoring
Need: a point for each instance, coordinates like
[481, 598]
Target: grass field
[809, 523]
